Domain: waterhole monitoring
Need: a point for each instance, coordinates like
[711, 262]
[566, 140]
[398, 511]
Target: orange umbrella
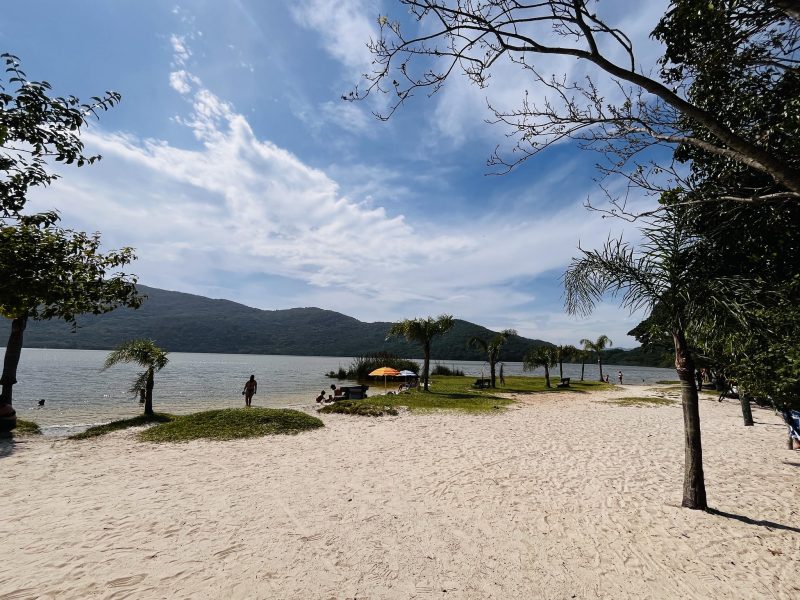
[384, 371]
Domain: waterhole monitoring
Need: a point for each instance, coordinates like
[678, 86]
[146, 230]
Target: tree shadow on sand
[749, 521]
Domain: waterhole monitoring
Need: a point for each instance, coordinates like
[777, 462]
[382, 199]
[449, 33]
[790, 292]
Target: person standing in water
[249, 390]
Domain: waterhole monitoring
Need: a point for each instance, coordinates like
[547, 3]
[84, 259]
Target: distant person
[249, 390]
[619, 376]
[41, 402]
[699, 377]
[607, 379]
[502, 377]
[321, 397]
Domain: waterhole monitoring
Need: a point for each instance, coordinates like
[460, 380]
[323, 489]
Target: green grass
[641, 401]
[668, 381]
[99, 430]
[231, 423]
[457, 393]
[363, 408]
[677, 389]
[26, 428]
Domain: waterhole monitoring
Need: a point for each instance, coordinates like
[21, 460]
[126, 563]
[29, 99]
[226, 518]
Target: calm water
[78, 394]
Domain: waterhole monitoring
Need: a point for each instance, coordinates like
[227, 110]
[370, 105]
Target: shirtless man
[249, 390]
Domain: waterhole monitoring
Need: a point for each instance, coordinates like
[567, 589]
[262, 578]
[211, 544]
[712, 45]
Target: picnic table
[481, 383]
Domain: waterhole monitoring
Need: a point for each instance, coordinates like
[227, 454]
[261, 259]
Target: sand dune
[563, 496]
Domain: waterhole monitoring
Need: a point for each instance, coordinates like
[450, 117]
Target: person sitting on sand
[607, 379]
[321, 396]
[249, 390]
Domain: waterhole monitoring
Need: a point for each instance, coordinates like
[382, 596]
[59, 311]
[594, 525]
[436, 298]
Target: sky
[236, 171]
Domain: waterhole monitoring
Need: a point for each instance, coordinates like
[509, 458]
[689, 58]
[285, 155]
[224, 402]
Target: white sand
[558, 497]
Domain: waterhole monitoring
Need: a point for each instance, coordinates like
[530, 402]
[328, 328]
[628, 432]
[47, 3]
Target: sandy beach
[561, 496]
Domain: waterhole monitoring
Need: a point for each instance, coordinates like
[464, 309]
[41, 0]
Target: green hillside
[182, 322]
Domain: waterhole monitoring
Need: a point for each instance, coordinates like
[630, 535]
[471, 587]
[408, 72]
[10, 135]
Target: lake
[79, 394]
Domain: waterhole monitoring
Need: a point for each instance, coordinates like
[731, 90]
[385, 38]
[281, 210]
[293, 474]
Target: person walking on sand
[619, 376]
[249, 390]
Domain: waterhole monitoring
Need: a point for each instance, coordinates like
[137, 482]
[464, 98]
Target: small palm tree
[541, 356]
[564, 352]
[144, 353]
[492, 348]
[423, 331]
[584, 353]
[598, 346]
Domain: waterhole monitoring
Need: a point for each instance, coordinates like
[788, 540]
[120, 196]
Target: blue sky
[236, 171]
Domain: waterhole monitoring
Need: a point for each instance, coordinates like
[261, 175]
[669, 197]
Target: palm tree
[564, 352]
[540, 356]
[668, 278]
[144, 353]
[584, 354]
[423, 331]
[492, 348]
[598, 346]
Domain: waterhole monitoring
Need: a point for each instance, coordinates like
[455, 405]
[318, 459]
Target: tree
[34, 127]
[146, 354]
[470, 37]
[540, 356]
[597, 346]
[725, 53]
[667, 277]
[584, 354]
[564, 352]
[492, 348]
[423, 331]
[49, 272]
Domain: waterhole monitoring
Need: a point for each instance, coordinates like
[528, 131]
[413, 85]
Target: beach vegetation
[641, 401]
[47, 272]
[440, 369]
[146, 354]
[362, 408]
[492, 349]
[137, 421]
[598, 346]
[362, 366]
[564, 352]
[231, 423]
[25, 427]
[422, 331]
[541, 356]
[53, 273]
[660, 277]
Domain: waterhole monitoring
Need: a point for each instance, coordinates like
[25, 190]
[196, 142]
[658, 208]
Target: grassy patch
[641, 401]
[668, 382]
[457, 393]
[363, 408]
[139, 421]
[231, 423]
[26, 428]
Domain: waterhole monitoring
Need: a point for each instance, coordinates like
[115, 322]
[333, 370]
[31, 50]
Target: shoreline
[561, 495]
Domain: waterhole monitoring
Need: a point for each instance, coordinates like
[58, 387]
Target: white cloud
[344, 28]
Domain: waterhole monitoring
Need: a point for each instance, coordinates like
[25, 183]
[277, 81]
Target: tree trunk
[546, 376]
[148, 397]
[426, 349]
[491, 373]
[583, 364]
[694, 487]
[600, 364]
[8, 416]
[747, 414]
[560, 368]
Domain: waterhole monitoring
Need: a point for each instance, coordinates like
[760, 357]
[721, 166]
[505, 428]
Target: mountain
[180, 322]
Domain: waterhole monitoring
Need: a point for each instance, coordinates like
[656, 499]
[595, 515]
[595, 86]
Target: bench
[353, 392]
[564, 382]
[482, 383]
